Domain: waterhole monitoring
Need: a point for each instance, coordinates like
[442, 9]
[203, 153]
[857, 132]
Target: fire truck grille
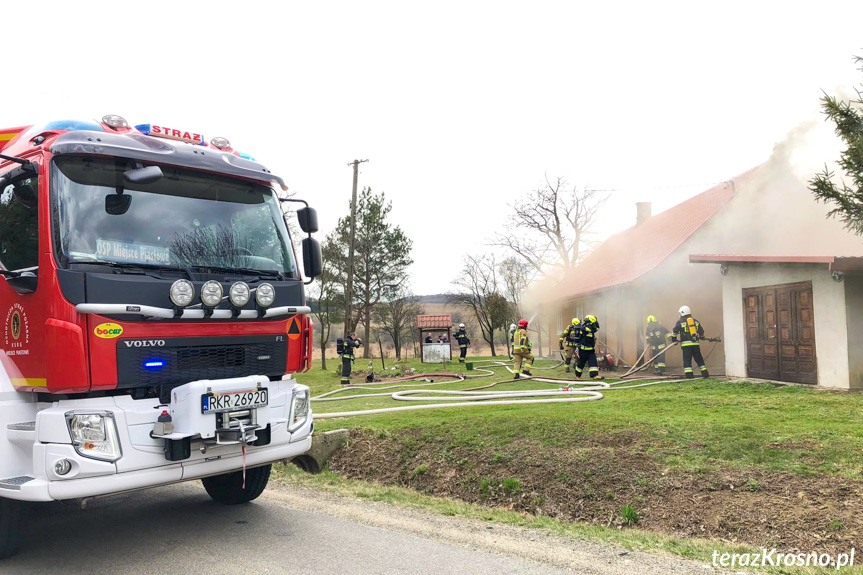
[174, 361]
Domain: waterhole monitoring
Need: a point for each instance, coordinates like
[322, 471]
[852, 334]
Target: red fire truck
[153, 315]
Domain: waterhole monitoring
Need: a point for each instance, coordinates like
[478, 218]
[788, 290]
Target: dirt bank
[609, 471]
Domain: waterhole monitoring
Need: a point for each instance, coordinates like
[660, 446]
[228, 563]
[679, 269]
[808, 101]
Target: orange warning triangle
[294, 329]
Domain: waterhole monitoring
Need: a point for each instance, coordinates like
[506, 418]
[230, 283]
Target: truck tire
[10, 518]
[227, 488]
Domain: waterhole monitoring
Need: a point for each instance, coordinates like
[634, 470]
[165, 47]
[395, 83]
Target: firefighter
[512, 327]
[351, 342]
[656, 336]
[587, 348]
[689, 331]
[521, 350]
[463, 341]
[569, 342]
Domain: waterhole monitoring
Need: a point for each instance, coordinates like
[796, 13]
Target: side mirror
[313, 262]
[117, 204]
[308, 218]
[24, 283]
[146, 175]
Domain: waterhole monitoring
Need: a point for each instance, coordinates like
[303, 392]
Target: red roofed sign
[434, 321]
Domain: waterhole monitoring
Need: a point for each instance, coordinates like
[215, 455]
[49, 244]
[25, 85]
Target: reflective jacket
[689, 330]
[656, 334]
[461, 337]
[588, 335]
[350, 345]
[571, 335]
[520, 341]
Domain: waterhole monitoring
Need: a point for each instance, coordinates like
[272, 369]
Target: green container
[469, 365]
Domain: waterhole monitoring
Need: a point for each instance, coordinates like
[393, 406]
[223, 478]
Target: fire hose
[592, 391]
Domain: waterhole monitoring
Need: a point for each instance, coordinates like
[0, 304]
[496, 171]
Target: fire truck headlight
[211, 293]
[94, 435]
[182, 293]
[265, 295]
[115, 121]
[239, 294]
[299, 410]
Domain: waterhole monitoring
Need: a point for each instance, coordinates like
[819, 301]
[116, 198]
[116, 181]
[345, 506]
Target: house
[794, 318]
[646, 269]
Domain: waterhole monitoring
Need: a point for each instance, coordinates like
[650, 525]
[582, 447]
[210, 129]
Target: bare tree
[327, 299]
[397, 315]
[515, 274]
[481, 294]
[552, 227]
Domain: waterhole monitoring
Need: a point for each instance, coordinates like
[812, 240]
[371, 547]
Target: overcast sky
[460, 107]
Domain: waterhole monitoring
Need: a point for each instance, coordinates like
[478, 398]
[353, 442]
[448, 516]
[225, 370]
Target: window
[19, 232]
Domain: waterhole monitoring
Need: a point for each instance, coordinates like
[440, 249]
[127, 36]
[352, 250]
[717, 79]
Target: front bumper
[143, 463]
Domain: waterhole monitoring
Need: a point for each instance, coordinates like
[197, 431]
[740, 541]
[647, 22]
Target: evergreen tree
[847, 199]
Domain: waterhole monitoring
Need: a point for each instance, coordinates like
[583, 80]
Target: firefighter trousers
[519, 356]
[658, 360]
[347, 367]
[569, 352]
[690, 353]
[587, 357]
[463, 353]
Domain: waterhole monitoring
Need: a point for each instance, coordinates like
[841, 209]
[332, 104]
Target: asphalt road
[179, 530]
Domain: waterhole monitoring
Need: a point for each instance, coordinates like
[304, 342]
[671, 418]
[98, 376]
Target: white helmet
[512, 327]
[461, 326]
[684, 310]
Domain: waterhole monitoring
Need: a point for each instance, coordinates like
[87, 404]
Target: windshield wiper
[143, 268]
[235, 270]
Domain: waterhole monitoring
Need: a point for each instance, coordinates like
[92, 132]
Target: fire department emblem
[15, 324]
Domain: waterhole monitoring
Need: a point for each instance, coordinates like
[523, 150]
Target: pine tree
[847, 199]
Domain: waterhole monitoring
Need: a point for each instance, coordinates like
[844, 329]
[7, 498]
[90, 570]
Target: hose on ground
[473, 397]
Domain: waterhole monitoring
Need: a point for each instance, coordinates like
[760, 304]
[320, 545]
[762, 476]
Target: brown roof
[628, 255]
[434, 321]
[835, 263]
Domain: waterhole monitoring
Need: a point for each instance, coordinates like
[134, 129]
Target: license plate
[234, 400]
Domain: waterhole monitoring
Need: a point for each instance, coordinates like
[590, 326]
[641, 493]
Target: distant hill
[434, 298]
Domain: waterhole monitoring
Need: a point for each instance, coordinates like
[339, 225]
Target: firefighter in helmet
[656, 336]
[350, 344]
[512, 328]
[521, 350]
[690, 332]
[463, 341]
[569, 342]
[587, 348]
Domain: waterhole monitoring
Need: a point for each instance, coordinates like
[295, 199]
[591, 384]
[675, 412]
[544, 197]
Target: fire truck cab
[153, 315]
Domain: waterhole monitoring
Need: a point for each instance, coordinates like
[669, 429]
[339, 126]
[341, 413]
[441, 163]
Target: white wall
[831, 330]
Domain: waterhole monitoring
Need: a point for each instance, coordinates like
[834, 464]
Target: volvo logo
[145, 343]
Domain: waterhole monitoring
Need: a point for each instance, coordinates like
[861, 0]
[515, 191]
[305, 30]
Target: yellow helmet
[651, 319]
[575, 321]
[590, 318]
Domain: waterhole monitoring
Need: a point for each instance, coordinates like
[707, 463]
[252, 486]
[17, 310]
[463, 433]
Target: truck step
[23, 426]
[15, 483]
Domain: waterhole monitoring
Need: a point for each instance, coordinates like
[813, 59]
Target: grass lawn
[699, 425]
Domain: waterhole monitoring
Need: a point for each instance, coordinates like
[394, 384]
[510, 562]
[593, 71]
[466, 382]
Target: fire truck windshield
[186, 219]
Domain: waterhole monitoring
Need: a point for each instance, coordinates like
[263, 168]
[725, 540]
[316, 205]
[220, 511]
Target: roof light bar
[115, 121]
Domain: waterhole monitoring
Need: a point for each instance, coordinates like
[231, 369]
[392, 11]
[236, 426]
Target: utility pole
[349, 290]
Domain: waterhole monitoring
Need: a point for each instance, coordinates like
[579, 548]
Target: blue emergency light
[154, 364]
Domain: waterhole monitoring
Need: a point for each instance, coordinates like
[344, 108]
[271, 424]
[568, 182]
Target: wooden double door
[780, 333]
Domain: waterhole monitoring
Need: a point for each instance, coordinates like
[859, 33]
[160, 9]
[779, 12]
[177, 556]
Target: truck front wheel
[228, 489]
[10, 517]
